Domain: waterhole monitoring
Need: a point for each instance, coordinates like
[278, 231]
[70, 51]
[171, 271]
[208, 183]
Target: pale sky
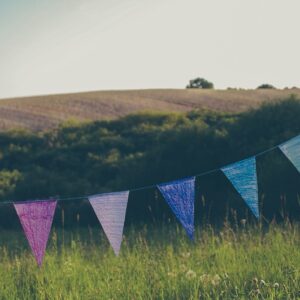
[60, 46]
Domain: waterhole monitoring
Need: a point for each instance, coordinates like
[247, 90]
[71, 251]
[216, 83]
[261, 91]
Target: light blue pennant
[291, 150]
[243, 177]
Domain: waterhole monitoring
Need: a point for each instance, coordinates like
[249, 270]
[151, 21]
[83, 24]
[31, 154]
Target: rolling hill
[45, 112]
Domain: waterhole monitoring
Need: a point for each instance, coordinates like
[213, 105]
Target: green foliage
[148, 148]
[200, 83]
[266, 86]
[156, 264]
[8, 181]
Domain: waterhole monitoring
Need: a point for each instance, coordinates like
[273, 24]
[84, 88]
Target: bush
[266, 86]
[200, 83]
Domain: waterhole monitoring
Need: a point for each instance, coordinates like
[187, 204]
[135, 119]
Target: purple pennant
[180, 195]
[111, 210]
[36, 218]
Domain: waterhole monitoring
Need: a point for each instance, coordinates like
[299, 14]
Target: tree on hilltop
[200, 83]
[266, 86]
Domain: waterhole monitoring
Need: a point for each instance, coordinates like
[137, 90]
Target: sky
[61, 46]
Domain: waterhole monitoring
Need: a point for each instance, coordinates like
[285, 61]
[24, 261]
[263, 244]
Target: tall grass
[156, 263]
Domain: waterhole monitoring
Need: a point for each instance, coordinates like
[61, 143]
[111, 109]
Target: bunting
[242, 176]
[291, 150]
[180, 195]
[36, 219]
[111, 210]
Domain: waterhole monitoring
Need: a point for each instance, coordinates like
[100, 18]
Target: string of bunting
[36, 216]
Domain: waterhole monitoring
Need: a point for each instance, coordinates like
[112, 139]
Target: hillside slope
[44, 112]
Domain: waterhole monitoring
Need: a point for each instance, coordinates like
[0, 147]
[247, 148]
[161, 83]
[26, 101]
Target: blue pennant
[243, 177]
[291, 149]
[180, 195]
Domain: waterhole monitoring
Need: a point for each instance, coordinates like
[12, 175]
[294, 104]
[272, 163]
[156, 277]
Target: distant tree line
[202, 83]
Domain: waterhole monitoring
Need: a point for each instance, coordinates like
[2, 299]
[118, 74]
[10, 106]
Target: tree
[200, 83]
[266, 86]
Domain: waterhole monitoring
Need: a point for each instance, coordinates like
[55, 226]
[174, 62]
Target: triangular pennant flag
[180, 195]
[243, 177]
[291, 149]
[36, 218]
[111, 210]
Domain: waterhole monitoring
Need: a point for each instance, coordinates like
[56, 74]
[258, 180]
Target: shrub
[200, 83]
[266, 86]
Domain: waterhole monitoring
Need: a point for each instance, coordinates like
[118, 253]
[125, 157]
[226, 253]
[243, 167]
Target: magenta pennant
[111, 210]
[36, 218]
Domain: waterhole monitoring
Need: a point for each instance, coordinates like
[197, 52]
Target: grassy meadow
[161, 263]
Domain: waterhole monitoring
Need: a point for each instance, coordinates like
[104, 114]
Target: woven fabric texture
[291, 149]
[111, 210]
[36, 219]
[243, 177]
[180, 195]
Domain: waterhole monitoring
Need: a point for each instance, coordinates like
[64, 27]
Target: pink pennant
[36, 218]
[110, 210]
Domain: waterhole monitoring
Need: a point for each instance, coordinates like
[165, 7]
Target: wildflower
[171, 274]
[186, 255]
[243, 222]
[263, 283]
[190, 274]
[216, 280]
[204, 278]
[183, 267]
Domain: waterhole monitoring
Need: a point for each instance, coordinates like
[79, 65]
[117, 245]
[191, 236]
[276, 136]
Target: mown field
[161, 263]
[45, 112]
